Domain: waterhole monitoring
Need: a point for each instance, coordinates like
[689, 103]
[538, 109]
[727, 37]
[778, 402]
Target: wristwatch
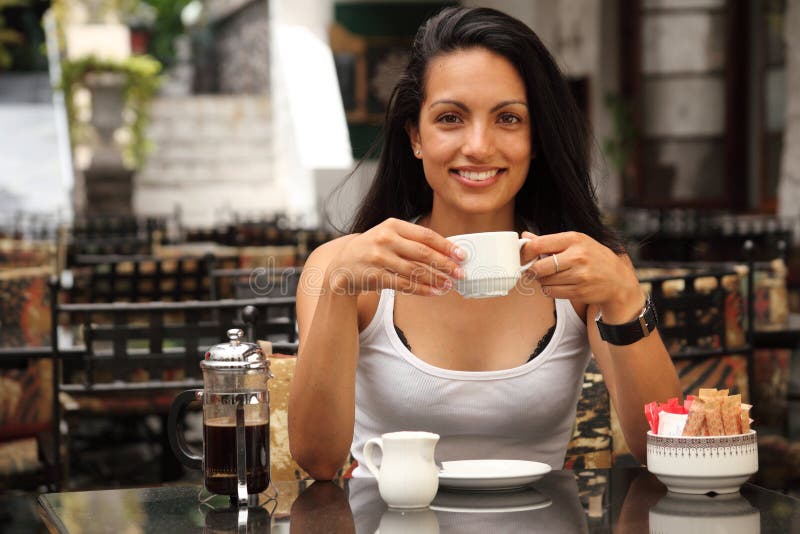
[628, 333]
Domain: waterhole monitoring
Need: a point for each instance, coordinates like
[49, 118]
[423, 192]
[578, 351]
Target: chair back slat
[190, 362]
[119, 341]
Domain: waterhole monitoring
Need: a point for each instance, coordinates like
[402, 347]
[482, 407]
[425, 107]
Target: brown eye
[448, 118]
[509, 118]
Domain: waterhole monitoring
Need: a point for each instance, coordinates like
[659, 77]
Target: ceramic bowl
[703, 464]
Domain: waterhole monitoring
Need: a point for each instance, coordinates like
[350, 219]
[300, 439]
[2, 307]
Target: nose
[479, 142]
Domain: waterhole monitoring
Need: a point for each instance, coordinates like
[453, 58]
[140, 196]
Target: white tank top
[523, 413]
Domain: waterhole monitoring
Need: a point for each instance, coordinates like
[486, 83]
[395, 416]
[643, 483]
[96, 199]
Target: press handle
[177, 439]
[369, 446]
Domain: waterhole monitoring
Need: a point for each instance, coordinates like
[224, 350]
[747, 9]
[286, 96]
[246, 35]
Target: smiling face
[474, 134]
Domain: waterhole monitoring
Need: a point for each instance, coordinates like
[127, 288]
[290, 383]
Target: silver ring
[555, 261]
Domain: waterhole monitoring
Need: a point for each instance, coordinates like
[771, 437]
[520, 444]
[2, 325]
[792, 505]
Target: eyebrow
[462, 106]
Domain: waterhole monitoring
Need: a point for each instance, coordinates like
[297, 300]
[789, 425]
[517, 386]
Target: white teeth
[478, 176]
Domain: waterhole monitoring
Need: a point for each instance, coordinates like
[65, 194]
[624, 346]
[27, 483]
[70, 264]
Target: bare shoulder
[322, 255]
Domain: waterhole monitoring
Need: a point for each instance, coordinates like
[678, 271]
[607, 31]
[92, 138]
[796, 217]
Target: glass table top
[618, 500]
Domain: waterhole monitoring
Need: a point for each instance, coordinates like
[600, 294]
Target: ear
[414, 140]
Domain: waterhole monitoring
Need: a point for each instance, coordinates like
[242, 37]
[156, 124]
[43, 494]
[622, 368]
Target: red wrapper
[651, 411]
[673, 406]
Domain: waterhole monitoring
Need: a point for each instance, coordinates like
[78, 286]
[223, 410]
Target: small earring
[418, 152]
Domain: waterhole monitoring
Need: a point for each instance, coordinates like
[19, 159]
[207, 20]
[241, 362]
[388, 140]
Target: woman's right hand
[397, 255]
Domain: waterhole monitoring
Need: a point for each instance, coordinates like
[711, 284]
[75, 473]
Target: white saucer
[491, 502]
[490, 475]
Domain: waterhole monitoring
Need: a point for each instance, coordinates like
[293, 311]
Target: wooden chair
[131, 358]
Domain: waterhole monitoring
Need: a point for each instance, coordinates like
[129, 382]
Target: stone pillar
[107, 181]
[789, 184]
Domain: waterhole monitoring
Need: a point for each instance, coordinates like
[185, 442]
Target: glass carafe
[235, 399]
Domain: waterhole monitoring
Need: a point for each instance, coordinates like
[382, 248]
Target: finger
[560, 291]
[425, 255]
[418, 272]
[549, 265]
[406, 286]
[550, 243]
[421, 234]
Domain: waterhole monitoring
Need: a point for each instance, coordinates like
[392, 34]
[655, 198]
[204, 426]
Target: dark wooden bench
[143, 278]
[256, 282]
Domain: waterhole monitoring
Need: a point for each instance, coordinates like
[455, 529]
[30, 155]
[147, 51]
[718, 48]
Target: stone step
[206, 203]
[206, 152]
[212, 156]
[237, 108]
[172, 173]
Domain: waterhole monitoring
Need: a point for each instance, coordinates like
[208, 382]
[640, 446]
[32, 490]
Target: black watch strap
[628, 333]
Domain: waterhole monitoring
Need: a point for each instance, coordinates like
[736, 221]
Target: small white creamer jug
[408, 476]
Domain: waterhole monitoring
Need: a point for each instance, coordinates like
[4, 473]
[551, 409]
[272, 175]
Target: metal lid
[235, 355]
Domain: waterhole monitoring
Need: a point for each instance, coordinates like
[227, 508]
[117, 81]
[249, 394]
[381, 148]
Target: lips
[477, 177]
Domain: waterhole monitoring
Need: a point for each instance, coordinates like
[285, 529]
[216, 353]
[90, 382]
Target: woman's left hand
[574, 266]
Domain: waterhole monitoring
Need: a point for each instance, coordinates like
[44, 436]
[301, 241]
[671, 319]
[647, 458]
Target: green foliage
[167, 27]
[8, 37]
[141, 84]
[619, 147]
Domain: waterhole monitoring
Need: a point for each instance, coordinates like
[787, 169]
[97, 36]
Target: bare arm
[322, 393]
[395, 254]
[593, 274]
[635, 375]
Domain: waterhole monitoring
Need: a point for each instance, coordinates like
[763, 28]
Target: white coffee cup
[407, 476]
[492, 263]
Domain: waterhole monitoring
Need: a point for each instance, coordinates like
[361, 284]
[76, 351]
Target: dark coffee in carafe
[219, 455]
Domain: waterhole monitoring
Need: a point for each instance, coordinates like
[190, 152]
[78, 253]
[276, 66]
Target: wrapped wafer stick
[707, 392]
[723, 392]
[745, 418]
[713, 412]
[696, 418]
[731, 410]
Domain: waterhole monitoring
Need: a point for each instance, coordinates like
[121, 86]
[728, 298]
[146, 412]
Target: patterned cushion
[282, 465]
[25, 307]
[19, 457]
[15, 253]
[26, 400]
[590, 447]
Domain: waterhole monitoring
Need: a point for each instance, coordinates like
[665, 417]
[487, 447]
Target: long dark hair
[557, 195]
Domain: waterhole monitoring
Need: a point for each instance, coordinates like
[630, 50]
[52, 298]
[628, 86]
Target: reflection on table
[619, 500]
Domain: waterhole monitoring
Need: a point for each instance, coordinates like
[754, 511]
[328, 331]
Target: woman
[481, 135]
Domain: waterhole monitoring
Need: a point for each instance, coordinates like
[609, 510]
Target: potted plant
[8, 37]
[121, 93]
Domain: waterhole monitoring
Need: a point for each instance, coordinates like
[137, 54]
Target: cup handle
[527, 266]
[368, 448]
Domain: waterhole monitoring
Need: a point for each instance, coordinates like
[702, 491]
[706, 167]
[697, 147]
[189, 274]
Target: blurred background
[221, 108]
[148, 144]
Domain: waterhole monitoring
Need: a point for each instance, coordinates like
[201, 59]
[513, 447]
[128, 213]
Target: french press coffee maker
[235, 399]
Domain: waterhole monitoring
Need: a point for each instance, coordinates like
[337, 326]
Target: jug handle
[368, 446]
[177, 440]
